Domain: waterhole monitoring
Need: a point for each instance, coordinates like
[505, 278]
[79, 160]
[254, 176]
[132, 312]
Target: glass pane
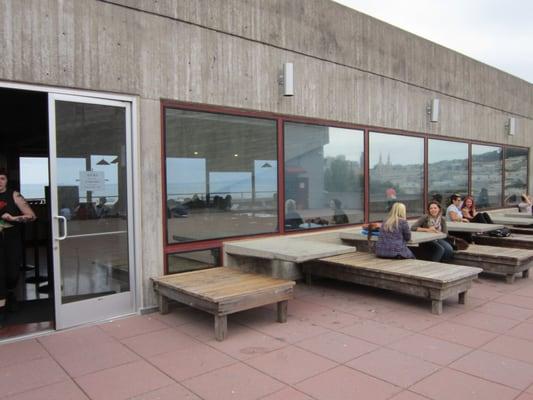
[33, 177]
[193, 260]
[92, 196]
[324, 176]
[221, 175]
[487, 175]
[448, 170]
[396, 170]
[516, 162]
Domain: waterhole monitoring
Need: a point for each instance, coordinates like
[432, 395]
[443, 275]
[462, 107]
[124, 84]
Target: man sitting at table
[453, 212]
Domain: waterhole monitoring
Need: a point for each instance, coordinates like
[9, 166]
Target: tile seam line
[110, 2]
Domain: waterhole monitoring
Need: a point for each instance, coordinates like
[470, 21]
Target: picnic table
[416, 237]
[518, 215]
[472, 227]
[500, 219]
[279, 257]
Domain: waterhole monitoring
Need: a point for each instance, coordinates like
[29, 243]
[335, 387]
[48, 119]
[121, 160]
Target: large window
[447, 170]
[221, 175]
[487, 175]
[516, 163]
[396, 174]
[323, 176]
[193, 260]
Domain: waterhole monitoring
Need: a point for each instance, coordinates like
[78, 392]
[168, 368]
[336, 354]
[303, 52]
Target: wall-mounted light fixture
[286, 80]
[510, 126]
[433, 110]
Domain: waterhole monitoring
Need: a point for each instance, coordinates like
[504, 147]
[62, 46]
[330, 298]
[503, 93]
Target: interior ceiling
[24, 127]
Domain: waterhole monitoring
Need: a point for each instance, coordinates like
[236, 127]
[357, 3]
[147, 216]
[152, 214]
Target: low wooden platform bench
[426, 279]
[221, 291]
[516, 240]
[497, 260]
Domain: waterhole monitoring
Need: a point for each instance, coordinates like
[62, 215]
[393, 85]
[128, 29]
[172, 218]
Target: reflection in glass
[487, 175]
[92, 196]
[396, 173]
[516, 162]
[193, 260]
[221, 175]
[448, 170]
[323, 176]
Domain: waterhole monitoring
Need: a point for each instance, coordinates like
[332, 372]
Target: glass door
[90, 190]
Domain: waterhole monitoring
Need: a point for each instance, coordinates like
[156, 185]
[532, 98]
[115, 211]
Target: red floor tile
[413, 321]
[324, 316]
[74, 339]
[190, 361]
[460, 334]
[526, 291]
[518, 349]
[447, 384]
[87, 359]
[235, 382]
[431, 349]
[163, 341]
[132, 326]
[344, 383]
[287, 394]
[65, 390]
[291, 364]
[485, 322]
[244, 343]
[26, 350]
[514, 300]
[172, 392]
[30, 375]
[496, 368]
[376, 332]
[407, 395]
[525, 396]
[522, 331]
[292, 331]
[337, 346]
[394, 367]
[123, 382]
[506, 311]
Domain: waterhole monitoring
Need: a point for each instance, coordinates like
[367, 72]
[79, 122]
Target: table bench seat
[516, 240]
[222, 291]
[426, 279]
[498, 260]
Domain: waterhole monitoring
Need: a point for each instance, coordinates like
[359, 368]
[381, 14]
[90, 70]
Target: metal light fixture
[286, 80]
[433, 110]
[510, 126]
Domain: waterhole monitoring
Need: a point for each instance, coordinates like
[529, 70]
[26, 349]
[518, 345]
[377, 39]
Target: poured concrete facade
[348, 67]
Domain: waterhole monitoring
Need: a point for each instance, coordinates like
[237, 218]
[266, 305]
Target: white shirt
[453, 207]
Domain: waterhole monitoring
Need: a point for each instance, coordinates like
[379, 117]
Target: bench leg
[282, 311]
[509, 278]
[221, 327]
[462, 298]
[436, 307]
[163, 304]
[525, 274]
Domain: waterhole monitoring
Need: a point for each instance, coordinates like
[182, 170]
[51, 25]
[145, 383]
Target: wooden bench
[426, 279]
[516, 240]
[498, 260]
[222, 291]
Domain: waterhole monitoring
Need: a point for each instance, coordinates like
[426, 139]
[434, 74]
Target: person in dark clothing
[471, 214]
[14, 211]
[293, 220]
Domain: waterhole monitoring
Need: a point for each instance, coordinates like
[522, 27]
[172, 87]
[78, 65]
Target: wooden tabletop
[416, 237]
[221, 283]
[471, 227]
[518, 215]
[497, 252]
[499, 219]
[287, 249]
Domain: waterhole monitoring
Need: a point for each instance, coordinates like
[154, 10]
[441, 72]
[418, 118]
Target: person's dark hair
[436, 203]
[4, 172]
[455, 197]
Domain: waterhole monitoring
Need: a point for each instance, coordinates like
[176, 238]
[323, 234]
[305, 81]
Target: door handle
[65, 233]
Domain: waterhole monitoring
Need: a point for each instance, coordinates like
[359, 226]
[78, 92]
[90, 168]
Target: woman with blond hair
[394, 235]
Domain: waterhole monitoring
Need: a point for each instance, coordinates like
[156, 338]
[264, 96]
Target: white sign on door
[92, 181]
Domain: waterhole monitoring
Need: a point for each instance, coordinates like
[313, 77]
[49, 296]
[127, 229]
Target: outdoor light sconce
[433, 110]
[510, 126]
[286, 80]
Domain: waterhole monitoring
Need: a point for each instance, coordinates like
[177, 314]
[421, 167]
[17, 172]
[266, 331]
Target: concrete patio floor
[341, 342]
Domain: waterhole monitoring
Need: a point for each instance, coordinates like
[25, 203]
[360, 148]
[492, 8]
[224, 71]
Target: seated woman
[525, 205]
[394, 235]
[470, 213]
[293, 220]
[440, 250]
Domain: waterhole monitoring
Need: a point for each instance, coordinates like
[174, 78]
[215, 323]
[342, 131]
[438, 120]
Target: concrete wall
[348, 67]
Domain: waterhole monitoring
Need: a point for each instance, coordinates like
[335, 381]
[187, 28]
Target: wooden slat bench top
[502, 254]
[221, 284]
[222, 291]
[411, 268]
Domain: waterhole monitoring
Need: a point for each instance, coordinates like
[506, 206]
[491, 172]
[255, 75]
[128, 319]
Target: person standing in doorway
[14, 211]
